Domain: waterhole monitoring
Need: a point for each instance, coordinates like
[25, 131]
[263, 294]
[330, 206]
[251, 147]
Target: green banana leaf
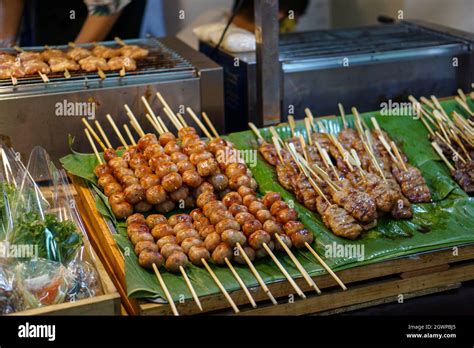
[447, 222]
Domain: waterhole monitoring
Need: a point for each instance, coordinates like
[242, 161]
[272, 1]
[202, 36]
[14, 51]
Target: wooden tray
[392, 280]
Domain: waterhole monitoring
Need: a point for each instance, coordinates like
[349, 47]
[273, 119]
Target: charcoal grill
[359, 67]
[184, 77]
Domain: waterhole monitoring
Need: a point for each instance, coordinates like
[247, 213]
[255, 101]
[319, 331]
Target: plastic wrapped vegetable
[10, 299]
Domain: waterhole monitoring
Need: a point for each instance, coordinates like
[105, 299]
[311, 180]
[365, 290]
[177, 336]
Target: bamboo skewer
[427, 102]
[101, 73]
[291, 122]
[256, 274]
[284, 271]
[102, 133]
[154, 120]
[191, 288]
[464, 105]
[443, 157]
[94, 148]
[162, 124]
[241, 283]
[173, 119]
[256, 131]
[133, 119]
[343, 114]
[308, 130]
[14, 80]
[163, 102]
[43, 77]
[119, 41]
[117, 131]
[397, 153]
[199, 123]
[298, 265]
[67, 75]
[181, 119]
[129, 134]
[326, 267]
[309, 114]
[462, 95]
[221, 287]
[165, 290]
[451, 148]
[209, 123]
[94, 134]
[155, 124]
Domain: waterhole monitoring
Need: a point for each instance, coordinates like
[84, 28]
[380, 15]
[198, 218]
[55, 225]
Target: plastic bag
[10, 298]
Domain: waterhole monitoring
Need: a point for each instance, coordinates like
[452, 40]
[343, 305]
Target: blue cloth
[153, 20]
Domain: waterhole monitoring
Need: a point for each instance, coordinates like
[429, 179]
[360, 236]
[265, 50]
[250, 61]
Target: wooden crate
[415, 275]
[106, 304]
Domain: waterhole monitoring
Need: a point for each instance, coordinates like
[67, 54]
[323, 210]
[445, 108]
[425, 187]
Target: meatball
[140, 236]
[197, 253]
[169, 248]
[154, 219]
[120, 173]
[148, 258]
[299, 238]
[197, 157]
[223, 193]
[161, 230]
[277, 206]
[215, 144]
[207, 167]
[286, 240]
[235, 208]
[102, 169]
[118, 162]
[232, 198]
[213, 206]
[232, 237]
[221, 252]
[157, 161]
[145, 245]
[155, 195]
[184, 166]
[129, 180]
[239, 258]
[237, 181]
[251, 226]
[113, 187]
[258, 238]
[272, 227]
[106, 179]
[212, 241]
[134, 194]
[195, 147]
[196, 214]
[136, 227]
[206, 230]
[286, 215]
[244, 191]
[192, 178]
[171, 182]
[188, 243]
[172, 147]
[153, 150]
[138, 160]
[175, 261]
[248, 199]
[260, 253]
[253, 183]
[200, 222]
[226, 224]
[263, 215]
[117, 197]
[147, 140]
[142, 207]
[244, 217]
[205, 186]
[109, 154]
[166, 137]
[140, 172]
[177, 157]
[180, 194]
[204, 198]
[292, 226]
[219, 181]
[178, 218]
[165, 168]
[165, 240]
[136, 218]
[186, 233]
[122, 210]
[219, 215]
[255, 206]
[270, 198]
[235, 170]
[149, 180]
[165, 207]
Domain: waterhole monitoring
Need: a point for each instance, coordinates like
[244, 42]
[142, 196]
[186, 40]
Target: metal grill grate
[160, 60]
[366, 40]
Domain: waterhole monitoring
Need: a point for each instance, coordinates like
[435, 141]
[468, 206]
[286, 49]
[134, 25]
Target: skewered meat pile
[351, 194]
[55, 60]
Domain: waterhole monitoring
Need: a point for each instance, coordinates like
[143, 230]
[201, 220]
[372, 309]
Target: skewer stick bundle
[165, 290]
[241, 283]
[443, 157]
[199, 123]
[117, 131]
[133, 120]
[464, 105]
[94, 134]
[256, 274]
[427, 102]
[94, 148]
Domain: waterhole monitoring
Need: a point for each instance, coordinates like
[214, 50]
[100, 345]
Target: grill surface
[366, 40]
[161, 60]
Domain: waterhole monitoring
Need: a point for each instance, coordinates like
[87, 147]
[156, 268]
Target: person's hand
[11, 12]
[96, 28]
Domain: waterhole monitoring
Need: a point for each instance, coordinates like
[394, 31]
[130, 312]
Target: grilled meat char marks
[413, 184]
